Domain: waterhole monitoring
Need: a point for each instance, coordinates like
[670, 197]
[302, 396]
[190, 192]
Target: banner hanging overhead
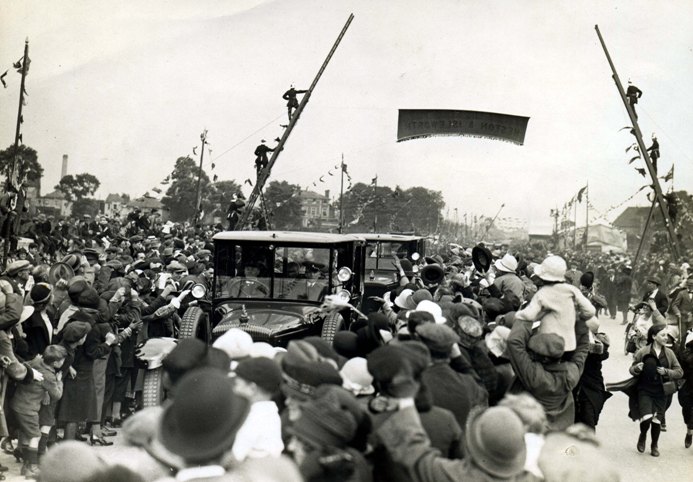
[416, 123]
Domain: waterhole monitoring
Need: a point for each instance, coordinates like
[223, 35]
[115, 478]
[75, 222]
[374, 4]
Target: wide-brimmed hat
[40, 293]
[404, 301]
[17, 266]
[495, 441]
[202, 421]
[553, 268]
[432, 308]
[481, 257]
[507, 264]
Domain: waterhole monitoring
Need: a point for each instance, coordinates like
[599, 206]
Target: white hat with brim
[507, 264]
[552, 268]
[433, 308]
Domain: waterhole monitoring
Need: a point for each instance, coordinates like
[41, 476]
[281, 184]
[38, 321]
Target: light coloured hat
[497, 340]
[507, 264]
[356, 378]
[552, 268]
[236, 343]
[432, 308]
[403, 300]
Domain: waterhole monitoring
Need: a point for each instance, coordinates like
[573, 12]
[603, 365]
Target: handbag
[670, 387]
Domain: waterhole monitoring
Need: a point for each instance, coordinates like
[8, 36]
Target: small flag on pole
[580, 193]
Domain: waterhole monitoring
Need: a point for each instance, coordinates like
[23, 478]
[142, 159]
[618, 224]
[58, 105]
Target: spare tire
[333, 323]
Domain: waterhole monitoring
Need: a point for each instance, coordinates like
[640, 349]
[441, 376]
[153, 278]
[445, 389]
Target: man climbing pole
[654, 151]
[633, 94]
[292, 102]
[261, 159]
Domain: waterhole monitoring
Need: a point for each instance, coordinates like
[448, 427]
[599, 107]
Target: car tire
[332, 324]
[153, 387]
[194, 324]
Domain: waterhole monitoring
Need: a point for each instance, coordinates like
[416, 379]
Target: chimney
[63, 171]
[327, 193]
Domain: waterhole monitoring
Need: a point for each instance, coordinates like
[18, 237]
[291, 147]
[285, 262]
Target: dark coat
[37, 336]
[660, 300]
[27, 398]
[590, 394]
[453, 391]
[551, 384]
[79, 394]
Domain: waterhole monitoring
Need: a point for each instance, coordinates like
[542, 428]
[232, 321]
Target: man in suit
[608, 288]
[653, 293]
[312, 287]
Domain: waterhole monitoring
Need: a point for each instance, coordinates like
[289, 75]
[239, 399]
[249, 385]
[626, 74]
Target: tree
[78, 187]
[423, 211]
[85, 206]
[417, 209]
[284, 205]
[28, 166]
[216, 200]
[180, 196]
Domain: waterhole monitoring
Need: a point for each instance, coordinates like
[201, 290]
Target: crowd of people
[480, 376]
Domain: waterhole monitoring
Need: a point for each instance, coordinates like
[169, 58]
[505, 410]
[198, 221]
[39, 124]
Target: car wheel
[194, 324]
[332, 324]
[153, 389]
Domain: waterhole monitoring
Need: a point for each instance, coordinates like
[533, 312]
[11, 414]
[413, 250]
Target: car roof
[387, 237]
[286, 237]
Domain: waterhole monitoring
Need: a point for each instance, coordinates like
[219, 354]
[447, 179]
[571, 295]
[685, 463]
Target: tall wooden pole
[659, 196]
[587, 213]
[375, 204]
[264, 174]
[642, 237]
[203, 139]
[12, 175]
[575, 223]
[341, 197]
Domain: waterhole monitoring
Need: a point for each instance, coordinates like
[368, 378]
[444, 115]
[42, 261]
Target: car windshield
[276, 272]
[380, 254]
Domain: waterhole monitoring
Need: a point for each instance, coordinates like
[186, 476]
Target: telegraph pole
[203, 138]
[13, 181]
[341, 197]
[375, 204]
[659, 196]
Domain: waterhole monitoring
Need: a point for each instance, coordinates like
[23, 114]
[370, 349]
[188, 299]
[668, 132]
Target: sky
[124, 88]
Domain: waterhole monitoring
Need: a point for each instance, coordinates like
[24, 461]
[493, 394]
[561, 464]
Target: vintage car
[381, 273]
[271, 284]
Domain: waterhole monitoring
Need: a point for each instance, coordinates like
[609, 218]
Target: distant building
[632, 221]
[116, 205]
[317, 211]
[54, 203]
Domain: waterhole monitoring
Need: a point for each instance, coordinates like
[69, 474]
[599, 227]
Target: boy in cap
[27, 402]
[258, 379]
